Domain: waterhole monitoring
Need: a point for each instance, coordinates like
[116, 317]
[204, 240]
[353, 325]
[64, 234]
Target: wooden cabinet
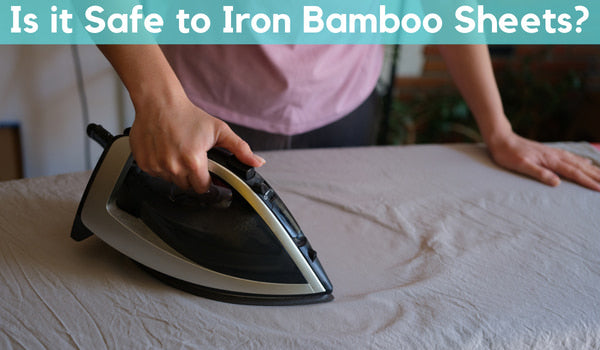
[11, 164]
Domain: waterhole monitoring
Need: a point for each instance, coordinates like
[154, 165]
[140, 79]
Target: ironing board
[427, 247]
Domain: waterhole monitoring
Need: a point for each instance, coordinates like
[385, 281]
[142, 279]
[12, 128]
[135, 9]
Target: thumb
[240, 148]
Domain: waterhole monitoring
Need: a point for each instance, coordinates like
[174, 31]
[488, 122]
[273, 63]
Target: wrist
[496, 132]
[157, 94]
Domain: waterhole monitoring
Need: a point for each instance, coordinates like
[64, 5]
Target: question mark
[583, 18]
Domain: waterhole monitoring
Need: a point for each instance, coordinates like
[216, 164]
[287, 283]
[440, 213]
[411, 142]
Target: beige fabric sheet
[427, 247]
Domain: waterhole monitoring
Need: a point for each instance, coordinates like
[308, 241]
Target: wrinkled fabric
[427, 247]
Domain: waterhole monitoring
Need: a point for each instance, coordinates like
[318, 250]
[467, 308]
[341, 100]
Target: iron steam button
[300, 241]
[312, 254]
[263, 190]
[228, 159]
[242, 170]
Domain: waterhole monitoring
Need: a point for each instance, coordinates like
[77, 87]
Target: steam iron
[236, 243]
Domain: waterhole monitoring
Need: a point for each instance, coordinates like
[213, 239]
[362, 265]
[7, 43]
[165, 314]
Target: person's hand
[170, 135]
[471, 68]
[169, 139]
[542, 162]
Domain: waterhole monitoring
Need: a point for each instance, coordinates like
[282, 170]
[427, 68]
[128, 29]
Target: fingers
[561, 163]
[580, 171]
[176, 173]
[585, 165]
[197, 174]
[155, 155]
[539, 173]
[189, 170]
[546, 164]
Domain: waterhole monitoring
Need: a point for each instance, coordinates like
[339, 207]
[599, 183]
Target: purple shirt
[276, 88]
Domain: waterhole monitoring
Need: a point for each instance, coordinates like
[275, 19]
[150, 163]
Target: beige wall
[38, 89]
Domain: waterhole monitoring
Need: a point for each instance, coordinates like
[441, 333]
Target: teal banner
[300, 22]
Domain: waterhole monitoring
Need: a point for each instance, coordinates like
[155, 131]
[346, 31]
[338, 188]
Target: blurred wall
[38, 90]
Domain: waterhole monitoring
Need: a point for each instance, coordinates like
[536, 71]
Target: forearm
[471, 70]
[145, 72]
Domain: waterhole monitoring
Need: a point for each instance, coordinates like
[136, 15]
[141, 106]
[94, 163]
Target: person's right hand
[170, 137]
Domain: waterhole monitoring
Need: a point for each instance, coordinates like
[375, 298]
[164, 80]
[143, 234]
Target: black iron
[239, 234]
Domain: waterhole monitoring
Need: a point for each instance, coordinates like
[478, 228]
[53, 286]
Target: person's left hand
[544, 163]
